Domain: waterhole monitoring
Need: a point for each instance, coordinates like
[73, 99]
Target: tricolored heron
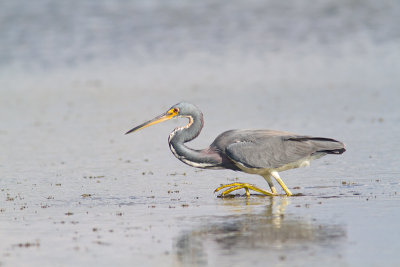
[263, 152]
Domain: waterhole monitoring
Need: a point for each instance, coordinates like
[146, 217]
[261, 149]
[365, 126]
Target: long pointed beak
[158, 119]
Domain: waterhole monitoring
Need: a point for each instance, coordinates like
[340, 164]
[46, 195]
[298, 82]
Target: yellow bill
[163, 117]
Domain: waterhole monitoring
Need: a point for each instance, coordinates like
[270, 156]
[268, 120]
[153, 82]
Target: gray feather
[272, 149]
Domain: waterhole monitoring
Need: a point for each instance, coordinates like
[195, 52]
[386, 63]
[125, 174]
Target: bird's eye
[176, 110]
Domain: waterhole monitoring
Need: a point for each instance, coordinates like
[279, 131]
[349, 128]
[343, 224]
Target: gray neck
[197, 158]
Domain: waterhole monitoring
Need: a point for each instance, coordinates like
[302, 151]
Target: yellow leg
[270, 183]
[247, 192]
[236, 186]
[279, 180]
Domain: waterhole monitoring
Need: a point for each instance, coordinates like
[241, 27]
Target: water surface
[74, 77]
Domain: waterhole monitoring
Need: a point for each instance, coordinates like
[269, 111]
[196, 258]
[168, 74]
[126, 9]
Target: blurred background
[124, 36]
[76, 75]
[47, 34]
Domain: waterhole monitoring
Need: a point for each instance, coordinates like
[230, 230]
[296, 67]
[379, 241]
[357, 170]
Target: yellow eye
[173, 111]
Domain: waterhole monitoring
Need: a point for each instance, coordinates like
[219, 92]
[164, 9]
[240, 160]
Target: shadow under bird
[262, 152]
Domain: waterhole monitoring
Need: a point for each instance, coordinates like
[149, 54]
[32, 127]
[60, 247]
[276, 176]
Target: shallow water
[75, 191]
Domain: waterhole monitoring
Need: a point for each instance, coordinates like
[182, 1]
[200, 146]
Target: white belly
[304, 162]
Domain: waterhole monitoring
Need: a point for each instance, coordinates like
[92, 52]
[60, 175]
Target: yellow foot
[246, 186]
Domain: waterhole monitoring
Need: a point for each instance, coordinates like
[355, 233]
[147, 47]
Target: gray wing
[273, 149]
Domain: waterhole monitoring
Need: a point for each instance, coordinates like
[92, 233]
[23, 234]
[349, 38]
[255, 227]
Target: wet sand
[74, 190]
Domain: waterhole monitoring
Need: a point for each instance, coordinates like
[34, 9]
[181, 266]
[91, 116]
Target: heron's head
[185, 109]
[181, 109]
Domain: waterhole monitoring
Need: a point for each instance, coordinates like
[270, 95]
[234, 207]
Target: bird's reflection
[255, 226]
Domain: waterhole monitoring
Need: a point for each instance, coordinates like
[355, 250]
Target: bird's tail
[323, 145]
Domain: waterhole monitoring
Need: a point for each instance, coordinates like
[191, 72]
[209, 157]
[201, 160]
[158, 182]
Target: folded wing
[271, 149]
